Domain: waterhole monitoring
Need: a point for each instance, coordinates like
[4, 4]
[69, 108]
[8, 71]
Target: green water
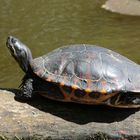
[44, 25]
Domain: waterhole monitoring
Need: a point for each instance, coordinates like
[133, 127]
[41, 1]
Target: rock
[129, 7]
[46, 119]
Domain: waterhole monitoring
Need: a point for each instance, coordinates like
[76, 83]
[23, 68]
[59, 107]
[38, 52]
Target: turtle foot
[136, 101]
[26, 90]
[125, 100]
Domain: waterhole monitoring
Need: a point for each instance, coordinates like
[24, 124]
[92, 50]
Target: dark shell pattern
[88, 69]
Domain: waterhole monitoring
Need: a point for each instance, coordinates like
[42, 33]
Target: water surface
[44, 25]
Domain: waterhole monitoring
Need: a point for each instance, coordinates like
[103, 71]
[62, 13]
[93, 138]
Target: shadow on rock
[78, 113]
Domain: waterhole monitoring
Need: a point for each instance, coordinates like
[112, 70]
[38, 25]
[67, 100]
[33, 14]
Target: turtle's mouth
[20, 52]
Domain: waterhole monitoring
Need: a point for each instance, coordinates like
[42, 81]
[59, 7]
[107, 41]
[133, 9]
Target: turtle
[80, 73]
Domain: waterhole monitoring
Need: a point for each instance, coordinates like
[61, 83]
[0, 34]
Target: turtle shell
[88, 68]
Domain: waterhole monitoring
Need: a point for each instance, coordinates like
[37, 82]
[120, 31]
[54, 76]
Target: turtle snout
[10, 40]
[10, 43]
[9, 37]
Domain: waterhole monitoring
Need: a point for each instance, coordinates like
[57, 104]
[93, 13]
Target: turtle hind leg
[136, 101]
[133, 98]
[125, 100]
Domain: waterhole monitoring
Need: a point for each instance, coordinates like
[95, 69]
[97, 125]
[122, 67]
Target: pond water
[44, 25]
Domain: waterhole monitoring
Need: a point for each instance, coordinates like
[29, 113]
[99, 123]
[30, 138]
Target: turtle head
[20, 52]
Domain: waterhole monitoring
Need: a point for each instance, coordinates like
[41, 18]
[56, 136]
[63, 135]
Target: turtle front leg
[26, 89]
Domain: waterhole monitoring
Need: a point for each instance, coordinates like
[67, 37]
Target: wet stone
[43, 119]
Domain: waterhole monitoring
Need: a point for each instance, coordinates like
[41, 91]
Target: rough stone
[129, 7]
[42, 118]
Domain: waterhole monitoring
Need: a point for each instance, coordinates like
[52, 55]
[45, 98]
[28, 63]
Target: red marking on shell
[89, 82]
[75, 81]
[62, 83]
[88, 73]
[66, 96]
[88, 76]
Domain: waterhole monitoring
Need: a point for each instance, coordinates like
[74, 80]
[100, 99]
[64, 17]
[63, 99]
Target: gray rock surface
[46, 119]
[129, 7]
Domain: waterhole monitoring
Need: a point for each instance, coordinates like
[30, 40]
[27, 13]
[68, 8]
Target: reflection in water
[45, 25]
